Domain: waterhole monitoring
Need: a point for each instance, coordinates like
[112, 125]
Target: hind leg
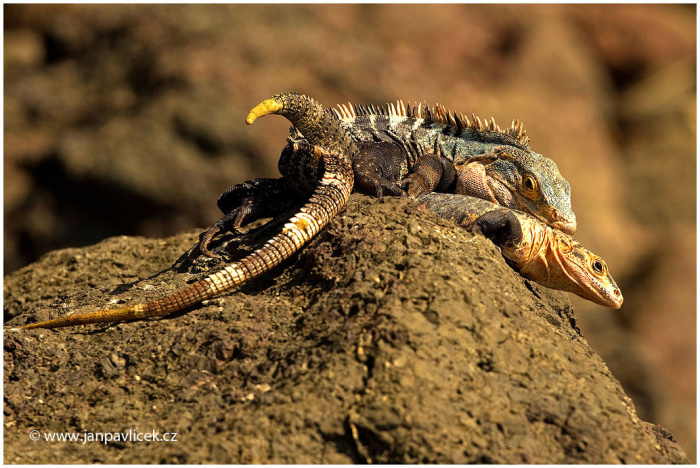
[249, 201]
[243, 204]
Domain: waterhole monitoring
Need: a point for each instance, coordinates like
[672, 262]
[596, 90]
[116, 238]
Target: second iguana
[533, 249]
[425, 150]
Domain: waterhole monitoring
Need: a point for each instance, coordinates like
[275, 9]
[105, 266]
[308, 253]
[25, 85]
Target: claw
[191, 255]
[414, 185]
[385, 188]
[202, 246]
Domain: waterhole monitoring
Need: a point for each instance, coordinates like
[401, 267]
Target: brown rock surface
[394, 337]
[128, 120]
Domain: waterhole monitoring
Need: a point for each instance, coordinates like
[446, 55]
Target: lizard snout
[564, 224]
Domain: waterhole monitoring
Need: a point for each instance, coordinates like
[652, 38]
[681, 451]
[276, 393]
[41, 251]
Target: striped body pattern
[419, 128]
[491, 163]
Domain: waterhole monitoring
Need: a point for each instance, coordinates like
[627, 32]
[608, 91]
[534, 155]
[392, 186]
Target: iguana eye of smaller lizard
[598, 266]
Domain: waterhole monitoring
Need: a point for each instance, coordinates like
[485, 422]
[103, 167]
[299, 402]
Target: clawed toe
[202, 246]
[414, 186]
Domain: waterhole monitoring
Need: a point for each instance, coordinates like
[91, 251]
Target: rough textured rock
[393, 337]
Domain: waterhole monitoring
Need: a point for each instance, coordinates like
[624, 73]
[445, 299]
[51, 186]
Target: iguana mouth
[561, 222]
[563, 225]
[601, 295]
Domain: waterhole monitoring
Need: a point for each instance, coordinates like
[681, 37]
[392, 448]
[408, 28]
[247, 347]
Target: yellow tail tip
[269, 106]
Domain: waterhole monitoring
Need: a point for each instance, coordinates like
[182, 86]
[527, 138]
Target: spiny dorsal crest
[438, 114]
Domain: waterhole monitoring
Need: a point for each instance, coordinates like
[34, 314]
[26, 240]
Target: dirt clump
[393, 337]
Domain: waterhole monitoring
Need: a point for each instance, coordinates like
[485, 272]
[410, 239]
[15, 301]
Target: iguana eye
[530, 186]
[598, 266]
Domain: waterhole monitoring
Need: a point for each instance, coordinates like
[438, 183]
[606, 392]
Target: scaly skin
[535, 250]
[260, 198]
[331, 196]
[322, 159]
[514, 181]
[403, 150]
[491, 163]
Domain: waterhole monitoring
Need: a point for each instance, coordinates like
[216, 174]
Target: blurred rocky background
[128, 120]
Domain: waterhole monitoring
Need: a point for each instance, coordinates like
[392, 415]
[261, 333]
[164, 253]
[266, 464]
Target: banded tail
[325, 203]
[319, 125]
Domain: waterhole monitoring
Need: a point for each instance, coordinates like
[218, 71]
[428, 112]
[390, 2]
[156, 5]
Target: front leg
[378, 167]
[501, 227]
[431, 173]
[474, 181]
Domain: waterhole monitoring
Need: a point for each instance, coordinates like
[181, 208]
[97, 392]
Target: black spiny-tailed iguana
[419, 149]
[439, 150]
[319, 163]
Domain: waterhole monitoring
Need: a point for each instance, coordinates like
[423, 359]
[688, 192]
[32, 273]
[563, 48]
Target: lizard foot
[242, 204]
[415, 186]
[229, 223]
[501, 227]
[430, 173]
[202, 246]
[382, 188]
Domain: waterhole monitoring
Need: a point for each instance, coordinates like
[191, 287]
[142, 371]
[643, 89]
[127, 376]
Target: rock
[378, 342]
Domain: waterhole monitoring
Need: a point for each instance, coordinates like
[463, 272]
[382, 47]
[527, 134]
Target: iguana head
[522, 180]
[558, 261]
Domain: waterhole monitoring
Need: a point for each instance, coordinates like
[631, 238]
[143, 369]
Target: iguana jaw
[507, 194]
[558, 261]
[596, 286]
[550, 215]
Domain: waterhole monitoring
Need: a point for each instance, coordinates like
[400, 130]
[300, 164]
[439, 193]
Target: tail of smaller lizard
[328, 199]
